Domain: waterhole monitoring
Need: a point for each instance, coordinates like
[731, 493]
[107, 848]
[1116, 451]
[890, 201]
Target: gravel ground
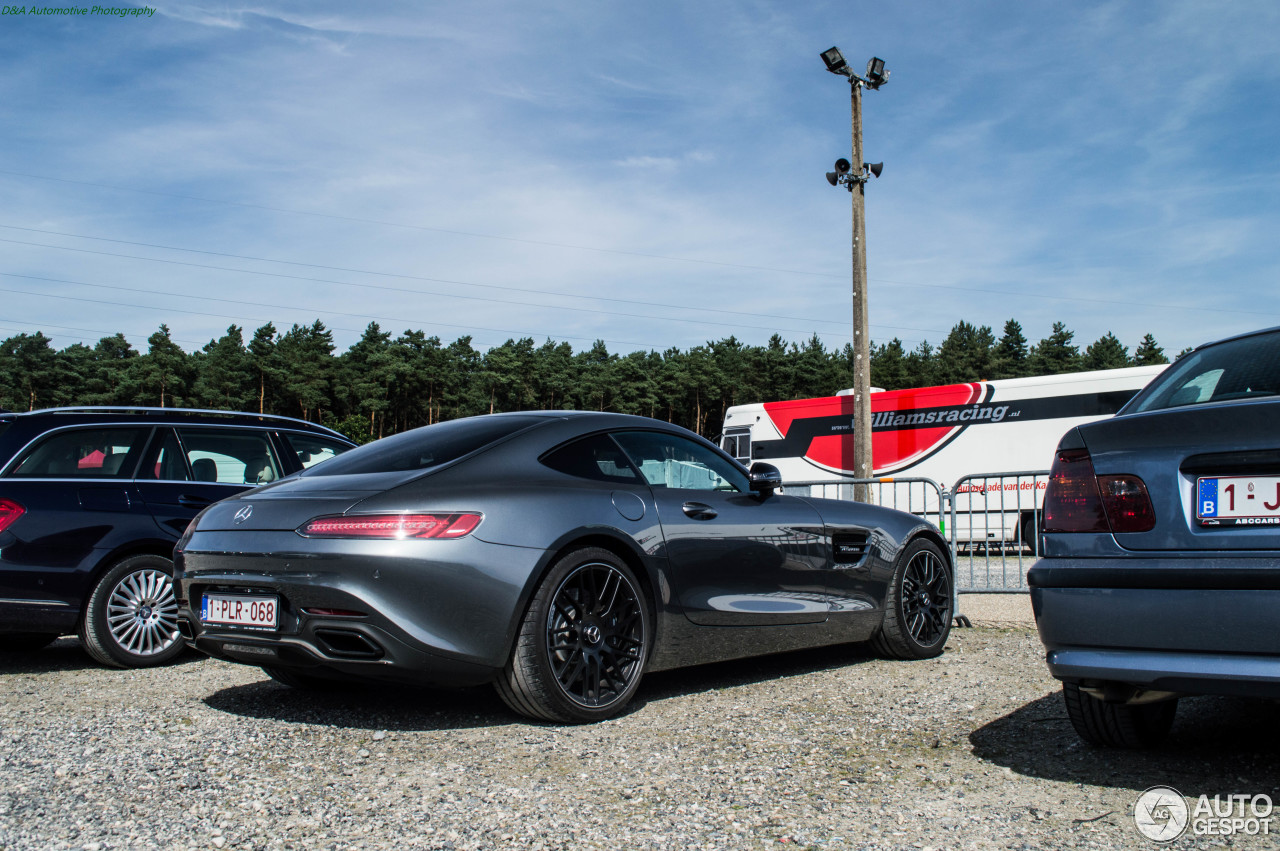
[825, 749]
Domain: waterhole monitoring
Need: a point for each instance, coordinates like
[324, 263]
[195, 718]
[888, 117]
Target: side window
[229, 456]
[312, 450]
[596, 457]
[90, 453]
[165, 460]
[670, 461]
[738, 444]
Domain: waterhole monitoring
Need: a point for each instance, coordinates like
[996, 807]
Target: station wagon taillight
[1077, 500]
[9, 512]
[391, 526]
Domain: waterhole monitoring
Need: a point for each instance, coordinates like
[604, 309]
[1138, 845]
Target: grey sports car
[559, 555]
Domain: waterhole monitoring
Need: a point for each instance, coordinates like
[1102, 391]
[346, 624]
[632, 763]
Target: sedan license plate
[1238, 501]
[254, 612]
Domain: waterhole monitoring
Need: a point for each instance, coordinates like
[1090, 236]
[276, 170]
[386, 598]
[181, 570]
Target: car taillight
[9, 512]
[392, 526]
[1127, 503]
[1077, 500]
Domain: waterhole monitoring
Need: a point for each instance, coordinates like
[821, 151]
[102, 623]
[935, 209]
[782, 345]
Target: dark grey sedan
[559, 555]
[1161, 575]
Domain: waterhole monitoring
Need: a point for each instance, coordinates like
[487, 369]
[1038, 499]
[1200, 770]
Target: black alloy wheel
[918, 607]
[583, 643]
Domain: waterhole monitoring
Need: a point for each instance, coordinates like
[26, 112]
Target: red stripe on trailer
[891, 449]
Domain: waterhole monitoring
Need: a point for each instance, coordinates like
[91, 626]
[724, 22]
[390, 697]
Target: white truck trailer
[966, 437]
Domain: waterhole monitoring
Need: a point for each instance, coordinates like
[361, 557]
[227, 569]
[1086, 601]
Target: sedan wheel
[132, 617]
[583, 642]
[1117, 725]
[917, 618]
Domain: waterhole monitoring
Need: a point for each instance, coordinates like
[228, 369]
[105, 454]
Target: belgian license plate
[256, 611]
[1238, 501]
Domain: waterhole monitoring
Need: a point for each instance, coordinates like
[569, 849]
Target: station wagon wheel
[918, 605]
[583, 642]
[131, 620]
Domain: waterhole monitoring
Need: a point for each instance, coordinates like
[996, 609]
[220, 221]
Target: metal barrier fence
[991, 522]
[994, 529]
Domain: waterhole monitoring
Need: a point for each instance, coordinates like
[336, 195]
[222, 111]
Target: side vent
[850, 547]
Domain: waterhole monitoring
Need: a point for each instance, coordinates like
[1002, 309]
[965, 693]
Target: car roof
[104, 414]
[1273, 329]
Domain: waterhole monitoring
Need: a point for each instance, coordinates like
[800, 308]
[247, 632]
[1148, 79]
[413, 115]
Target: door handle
[698, 510]
[194, 501]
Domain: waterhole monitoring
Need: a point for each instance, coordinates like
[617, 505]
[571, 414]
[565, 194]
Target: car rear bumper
[21, 615]
[442, 615]
[1207, 627]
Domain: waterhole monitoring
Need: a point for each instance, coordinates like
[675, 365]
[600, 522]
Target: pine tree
[1009, 359]
[1056, 353]
[1148, 353]
[1106, 353]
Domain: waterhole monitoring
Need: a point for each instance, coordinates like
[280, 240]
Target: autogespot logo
[1161, 813]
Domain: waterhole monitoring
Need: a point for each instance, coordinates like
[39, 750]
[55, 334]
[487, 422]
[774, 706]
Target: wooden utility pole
[862, 466]
[853, 175]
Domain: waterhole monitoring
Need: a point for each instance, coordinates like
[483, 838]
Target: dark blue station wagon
[92, 501]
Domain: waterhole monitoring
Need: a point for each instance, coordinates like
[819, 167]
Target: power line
[408, 290]
[126, 334]
[275, 306]
[400, 275]
[807, 273]
[428, 292]
[425, 228]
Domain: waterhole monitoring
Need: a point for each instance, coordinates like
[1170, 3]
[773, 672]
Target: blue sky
[649, 174]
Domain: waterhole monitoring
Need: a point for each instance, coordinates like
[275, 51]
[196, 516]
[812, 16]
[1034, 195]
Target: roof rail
[142, 409]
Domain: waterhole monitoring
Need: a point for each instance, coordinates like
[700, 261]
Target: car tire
[918, 605]
[25, 642]
[131, 620]
[583, 643]
[1117, 725]
[1029, 534]
[307, 682]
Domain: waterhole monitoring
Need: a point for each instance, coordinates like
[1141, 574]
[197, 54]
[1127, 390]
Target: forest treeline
[382, 385]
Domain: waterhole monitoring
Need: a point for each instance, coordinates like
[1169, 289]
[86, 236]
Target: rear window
[86, 453]
[1247, 368]
[424, 448]
[311, 450]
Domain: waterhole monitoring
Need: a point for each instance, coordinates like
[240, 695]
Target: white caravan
[979, 432]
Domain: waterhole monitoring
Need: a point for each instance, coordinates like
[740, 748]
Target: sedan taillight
[1127, 503]
[9, 512]
[391, 526]
[1077, 500]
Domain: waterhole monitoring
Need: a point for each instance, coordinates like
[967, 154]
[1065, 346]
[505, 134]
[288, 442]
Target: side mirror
[765, 478]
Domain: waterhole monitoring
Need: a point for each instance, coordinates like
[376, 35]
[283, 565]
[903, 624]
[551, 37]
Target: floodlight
[835, 62]
[877, 76]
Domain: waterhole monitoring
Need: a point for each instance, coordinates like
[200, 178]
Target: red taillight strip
[1128, 504]
[1077, 500]
[9, 512]
[1071, 500]
[391, 526]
